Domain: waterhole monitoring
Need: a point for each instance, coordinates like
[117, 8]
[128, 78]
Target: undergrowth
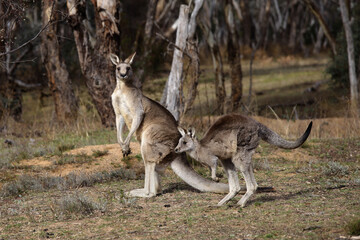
[27, 183]
[353, 227]
[79, 204]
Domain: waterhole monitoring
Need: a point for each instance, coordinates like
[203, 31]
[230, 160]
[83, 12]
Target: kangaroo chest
[125, 112]
[122, 105]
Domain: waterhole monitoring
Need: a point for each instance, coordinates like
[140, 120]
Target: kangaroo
[156, 130]
[211, 161]
[233, 139]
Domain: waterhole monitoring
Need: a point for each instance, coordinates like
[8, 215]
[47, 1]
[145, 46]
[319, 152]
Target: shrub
[353, 227]
[261, 164]
[26, 183]
[335, 169]
[79, 204]
[66, 147]
[99, 153]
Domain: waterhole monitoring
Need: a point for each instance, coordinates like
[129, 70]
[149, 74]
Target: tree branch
[27, 85]
[49, 23]
[18, 60]
[173, 44]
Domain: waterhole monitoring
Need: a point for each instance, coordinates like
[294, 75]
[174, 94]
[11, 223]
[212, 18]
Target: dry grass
[317, 186]
[325, 128]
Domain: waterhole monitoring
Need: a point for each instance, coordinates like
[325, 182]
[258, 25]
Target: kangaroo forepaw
[216, 179]
[126, 152]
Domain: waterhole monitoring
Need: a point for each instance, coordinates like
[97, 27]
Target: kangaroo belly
[157, 142]
[224, 147]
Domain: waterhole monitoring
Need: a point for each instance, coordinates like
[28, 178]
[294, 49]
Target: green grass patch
[353, 227]
[99, 153]
[74, 159]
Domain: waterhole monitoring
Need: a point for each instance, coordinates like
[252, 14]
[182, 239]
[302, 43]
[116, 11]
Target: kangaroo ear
[114, 59]
[191, 132]
[181, 131]
[130, 59]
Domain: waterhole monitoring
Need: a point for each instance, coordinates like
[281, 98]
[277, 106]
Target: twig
[23, 61]
[272, 110]
[173, 44]
[18, 60]
[49, 23]
[27, 85]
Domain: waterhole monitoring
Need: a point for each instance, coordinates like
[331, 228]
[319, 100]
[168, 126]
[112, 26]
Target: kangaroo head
[187, 140]
[123, 68]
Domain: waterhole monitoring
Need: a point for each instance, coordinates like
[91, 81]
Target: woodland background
[56, 47]
[283, 62]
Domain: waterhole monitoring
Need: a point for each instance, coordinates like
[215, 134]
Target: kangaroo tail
[182, 168]
[275, 139]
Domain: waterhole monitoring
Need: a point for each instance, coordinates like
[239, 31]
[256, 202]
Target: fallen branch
[27, 85]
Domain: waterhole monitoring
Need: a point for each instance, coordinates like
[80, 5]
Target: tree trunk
[246, 23]
[190, 88]
[297, 14]
[94, 47]
[208, 24]
[174, 85]
[66, 105]
[234, 57]
[150, 19]
[10, 93]
[314, 9]
[354, 90]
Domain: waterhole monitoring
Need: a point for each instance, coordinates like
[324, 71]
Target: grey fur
[232, 139]
[156, 130]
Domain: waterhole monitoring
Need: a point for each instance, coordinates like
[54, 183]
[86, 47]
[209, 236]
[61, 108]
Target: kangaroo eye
[127, 68]
[184, 143]
[118, 68]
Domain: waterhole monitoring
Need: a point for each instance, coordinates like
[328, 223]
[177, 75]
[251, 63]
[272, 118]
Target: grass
[26, 183]
[79, 204]
[74, 159]
[353, 227]
[296, 210]
[316, 188]
[335, 169]
[99, 153]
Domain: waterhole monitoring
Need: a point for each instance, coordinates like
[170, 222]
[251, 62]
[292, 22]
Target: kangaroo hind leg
[234, 185]
[152, 179]
[242, 161]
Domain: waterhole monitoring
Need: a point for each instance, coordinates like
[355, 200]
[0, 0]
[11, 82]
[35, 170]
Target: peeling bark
[94, 46]
[234, 58]
[66, 105]
[194, 68]
[174, 84]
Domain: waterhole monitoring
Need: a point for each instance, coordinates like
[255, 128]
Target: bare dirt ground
[109, 161]
[308, 203]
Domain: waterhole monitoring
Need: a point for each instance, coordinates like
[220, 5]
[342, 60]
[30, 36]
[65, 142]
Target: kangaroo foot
[140, 193]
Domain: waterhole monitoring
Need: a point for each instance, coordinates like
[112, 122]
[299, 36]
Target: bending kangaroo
[156, 130]
[233, 139]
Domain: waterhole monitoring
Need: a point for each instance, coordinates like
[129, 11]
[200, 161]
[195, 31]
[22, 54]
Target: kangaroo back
[275, 139]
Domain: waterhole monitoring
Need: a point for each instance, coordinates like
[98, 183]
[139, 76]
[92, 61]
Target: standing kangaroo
[156, 130]
[233, 139]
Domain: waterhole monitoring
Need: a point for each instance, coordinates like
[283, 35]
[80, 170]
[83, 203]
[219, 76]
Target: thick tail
[182, 168]
[275, 139]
